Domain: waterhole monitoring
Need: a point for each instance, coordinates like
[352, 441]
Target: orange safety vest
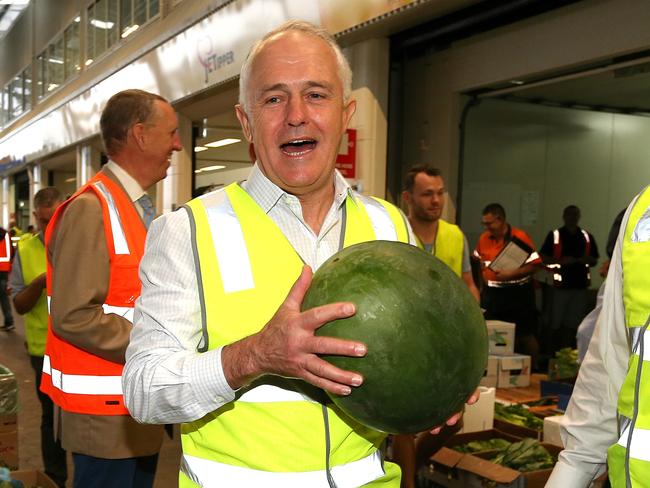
[5, 253]
[76, 380]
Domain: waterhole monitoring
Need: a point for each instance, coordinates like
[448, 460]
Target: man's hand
[456, 417]
[287, 346]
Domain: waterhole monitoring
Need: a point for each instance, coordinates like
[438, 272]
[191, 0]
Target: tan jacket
[79, 257]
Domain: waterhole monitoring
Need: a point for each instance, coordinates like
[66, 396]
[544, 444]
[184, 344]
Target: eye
[272, 100]
[316, 96]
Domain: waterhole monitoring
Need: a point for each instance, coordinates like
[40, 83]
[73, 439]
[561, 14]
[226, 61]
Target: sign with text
[346, 161]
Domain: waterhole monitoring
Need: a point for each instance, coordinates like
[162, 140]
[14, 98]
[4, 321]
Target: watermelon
[425, 333]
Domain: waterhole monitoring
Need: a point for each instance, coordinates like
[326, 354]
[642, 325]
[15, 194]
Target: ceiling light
[209, 168]
[130, 30]
[70, 180]
[100, 24]
[200, 148]
[223, 142]
[517, 82]
[89, 62]
[52, 86]
[55, 60]
[77, 19]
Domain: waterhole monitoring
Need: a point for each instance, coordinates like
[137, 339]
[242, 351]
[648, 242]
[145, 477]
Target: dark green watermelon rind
[375, 276]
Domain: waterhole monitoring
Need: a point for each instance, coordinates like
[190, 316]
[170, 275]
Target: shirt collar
[267, 194]
[131, 186]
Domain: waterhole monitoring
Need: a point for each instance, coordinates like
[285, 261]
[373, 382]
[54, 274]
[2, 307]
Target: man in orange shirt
[508, 294]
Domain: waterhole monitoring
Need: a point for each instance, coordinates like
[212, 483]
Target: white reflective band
[119, 238]
[272, 394]
[504, 284]
[553, 265]
[640, 447]
[556, 237]
[557, 277]
[646, 343]
[211, 474]
[49, 304]
[126, 312]
[381, 221]
[230, 247]
[586, 235]
[82, 384]
[533, 256]
[7, 255]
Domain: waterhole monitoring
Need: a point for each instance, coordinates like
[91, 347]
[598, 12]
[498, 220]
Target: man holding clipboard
[508, 259]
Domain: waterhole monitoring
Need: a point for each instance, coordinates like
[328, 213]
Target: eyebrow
[285, 86]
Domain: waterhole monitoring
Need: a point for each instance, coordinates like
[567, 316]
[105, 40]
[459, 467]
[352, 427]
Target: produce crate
[485, 435]
[34, 478]
[441, 469]
[514, 371]
[477, 471]
[501, 337]
[491, 372]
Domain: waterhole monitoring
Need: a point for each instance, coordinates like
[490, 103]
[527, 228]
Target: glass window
[126, 17]
[140, 12]
[16, 97]
[102, 27]
[154, 8]
[112, 19]
[27, 89]
[55, 61]
[3, 107]
[41, 75]
[72, 53]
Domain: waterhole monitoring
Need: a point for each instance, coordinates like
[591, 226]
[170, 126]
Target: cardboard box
[441, 468]
[33, 478]
[514, 371]
[484, 435]
[476, 471]
[9, 449]
[490, 376]
[501, 336]
[551, 431]
[480, 415]
[8, 423]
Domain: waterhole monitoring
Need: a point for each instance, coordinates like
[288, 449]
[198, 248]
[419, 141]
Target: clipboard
[512, 256]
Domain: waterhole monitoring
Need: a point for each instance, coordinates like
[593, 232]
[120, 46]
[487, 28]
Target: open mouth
[298, 147]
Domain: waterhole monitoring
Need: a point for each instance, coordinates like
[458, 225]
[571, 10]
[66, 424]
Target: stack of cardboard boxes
[8, 419]
[505, 369]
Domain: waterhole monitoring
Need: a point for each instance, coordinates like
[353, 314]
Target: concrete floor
[14, 356]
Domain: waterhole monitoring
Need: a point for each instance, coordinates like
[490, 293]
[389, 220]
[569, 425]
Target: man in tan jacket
[93, 293]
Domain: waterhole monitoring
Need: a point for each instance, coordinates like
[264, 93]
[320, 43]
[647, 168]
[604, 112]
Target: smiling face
[160, 140]
[297, 114]
[427, 200]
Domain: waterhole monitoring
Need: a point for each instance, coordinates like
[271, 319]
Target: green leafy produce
[486, 445]
[527, 455]
[565, 364]
[518, 415]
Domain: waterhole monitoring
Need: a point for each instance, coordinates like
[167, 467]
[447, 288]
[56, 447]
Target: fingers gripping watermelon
[426, 337]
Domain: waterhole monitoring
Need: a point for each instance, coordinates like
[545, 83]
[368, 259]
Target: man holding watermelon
[220, 337]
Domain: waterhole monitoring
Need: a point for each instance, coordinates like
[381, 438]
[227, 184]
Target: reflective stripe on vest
[126, 312]
[242, 436]
[213, 474]
[119, 237]
[82, 384]
[640, 447]
[557, 255]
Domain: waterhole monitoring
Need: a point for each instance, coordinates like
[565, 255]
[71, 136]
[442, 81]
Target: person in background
[606, 422]
[28, 284]
[424, 194]
[6, 255]
[568, 253]
[219, 337]
[508, 294]
[93, 284]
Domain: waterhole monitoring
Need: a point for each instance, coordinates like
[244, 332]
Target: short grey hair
[345, 73]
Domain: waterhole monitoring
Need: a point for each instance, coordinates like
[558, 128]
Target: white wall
[536, 160]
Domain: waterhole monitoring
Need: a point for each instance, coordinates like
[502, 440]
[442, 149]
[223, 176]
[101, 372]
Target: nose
[296, 114]
[176, 143]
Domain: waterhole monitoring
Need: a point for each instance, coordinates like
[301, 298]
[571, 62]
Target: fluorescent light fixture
[70, 180]
[517, 82]
[209, 168]
[52, 86]
[100, 24]
[14, 2]
[130, 30]
[55, 60]
[223, 142]
[200, 148]
[89, 61]
[77, 19]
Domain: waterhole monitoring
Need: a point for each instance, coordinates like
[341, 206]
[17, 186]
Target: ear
[242, 116]
[348, 112]
[138, 133]
[406, 197]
